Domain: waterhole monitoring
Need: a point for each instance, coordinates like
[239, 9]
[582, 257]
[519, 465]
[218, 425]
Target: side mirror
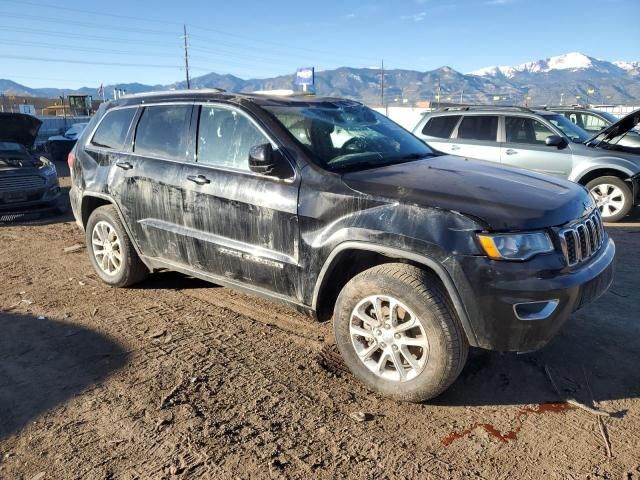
[264, 160]
[556, 141]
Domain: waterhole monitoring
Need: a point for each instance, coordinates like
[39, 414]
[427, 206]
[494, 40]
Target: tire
[124, 268]
[420, 296]
[620, 197]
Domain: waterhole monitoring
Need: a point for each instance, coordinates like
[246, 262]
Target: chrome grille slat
[21, 183]
[583, 239]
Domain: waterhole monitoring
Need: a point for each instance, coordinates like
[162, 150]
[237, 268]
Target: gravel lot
[178, 378]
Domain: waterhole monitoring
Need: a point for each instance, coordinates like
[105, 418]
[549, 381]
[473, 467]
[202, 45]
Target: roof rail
[168, 92]
[486, 107]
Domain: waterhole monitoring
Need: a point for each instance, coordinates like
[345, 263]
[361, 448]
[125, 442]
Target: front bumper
[48, 196]
[493, 288]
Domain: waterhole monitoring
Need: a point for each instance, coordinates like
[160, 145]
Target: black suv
[331, 207]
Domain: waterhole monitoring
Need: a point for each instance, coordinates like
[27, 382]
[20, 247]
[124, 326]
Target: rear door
[244, 225]
[476, 136]
[525, 147]
[153, 197]
[110, 148]
[437, 132]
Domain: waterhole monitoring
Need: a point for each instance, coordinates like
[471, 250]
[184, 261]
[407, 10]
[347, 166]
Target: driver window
[225, 137]
[526, 130]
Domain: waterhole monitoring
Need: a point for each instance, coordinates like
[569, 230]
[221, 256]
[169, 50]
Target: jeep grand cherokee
[331, 207]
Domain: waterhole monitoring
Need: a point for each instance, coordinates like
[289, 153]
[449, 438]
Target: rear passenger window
[225, 138]
[113, 129]
[162, 132]
[441, 127]
[479, 127]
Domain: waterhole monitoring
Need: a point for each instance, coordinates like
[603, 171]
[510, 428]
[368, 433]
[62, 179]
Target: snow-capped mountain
[632, 67]
[572, 62]
[573, 75]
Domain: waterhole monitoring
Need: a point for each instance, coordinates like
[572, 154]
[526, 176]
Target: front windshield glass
[345, 136]
[611, 118]
[10, 147]
[570, 129]
[75, 130]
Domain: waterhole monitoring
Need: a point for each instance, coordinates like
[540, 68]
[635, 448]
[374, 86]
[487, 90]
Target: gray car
[594, 121]
[547, 142]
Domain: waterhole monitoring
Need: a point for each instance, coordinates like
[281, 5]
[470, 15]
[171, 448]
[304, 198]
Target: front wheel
[397, 332]
[613, 197]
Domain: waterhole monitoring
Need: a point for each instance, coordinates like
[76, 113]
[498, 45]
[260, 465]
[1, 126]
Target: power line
[260, 41]
[77, 23]
[83, 62]
[85, 49]
[84, 36]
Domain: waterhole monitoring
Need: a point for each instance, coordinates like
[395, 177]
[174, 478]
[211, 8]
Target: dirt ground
[178, 378]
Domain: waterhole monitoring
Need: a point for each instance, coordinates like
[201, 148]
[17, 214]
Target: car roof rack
[467, 108]
[174, 92]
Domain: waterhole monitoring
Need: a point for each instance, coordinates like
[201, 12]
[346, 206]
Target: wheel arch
[604, 172]
[328, 285]
[92, 201]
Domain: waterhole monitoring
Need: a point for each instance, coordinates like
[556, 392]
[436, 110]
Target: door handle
[455, 147]
[199, 179]
[124, 165]
[511, 151]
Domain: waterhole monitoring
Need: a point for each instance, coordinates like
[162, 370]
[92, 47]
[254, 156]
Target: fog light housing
[535, 310]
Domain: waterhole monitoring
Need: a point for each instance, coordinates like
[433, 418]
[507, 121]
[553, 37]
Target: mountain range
[575, 76]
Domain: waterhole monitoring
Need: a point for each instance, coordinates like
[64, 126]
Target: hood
[621, 127]
[19, 128]
[504, 198]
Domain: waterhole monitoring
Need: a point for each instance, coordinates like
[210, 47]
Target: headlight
[47, 166]
[515, 246]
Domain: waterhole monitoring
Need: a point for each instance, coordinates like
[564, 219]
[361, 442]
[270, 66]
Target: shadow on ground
[45, 362]
[596, 355]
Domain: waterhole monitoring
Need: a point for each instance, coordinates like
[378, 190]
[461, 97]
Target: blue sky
[140, 40]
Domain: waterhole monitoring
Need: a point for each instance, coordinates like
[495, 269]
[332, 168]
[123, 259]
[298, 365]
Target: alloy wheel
[106, 248]
[609, 199]
[388, 338]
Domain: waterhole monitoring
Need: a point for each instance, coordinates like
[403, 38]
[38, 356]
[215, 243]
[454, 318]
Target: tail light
[71, 159]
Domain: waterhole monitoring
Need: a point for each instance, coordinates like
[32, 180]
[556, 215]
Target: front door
[244, 225]
[525, 147]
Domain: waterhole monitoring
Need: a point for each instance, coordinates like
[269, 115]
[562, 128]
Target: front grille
[25, 182]
[583, 239]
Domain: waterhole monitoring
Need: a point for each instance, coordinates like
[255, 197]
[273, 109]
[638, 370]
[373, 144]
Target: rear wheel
[110, 250]
[613, 197]
[397, 332]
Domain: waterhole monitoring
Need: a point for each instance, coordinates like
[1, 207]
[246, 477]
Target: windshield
[10, 147]
[570, 129]
[75, 130]
[341, 137]
[610, 117]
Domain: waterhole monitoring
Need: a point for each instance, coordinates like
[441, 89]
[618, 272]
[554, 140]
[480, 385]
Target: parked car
[59, 146]
[28, 181]
[546, 142]
[332, 208]
[594, 121]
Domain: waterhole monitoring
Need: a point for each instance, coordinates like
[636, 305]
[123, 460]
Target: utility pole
[462, 95]
[438, 96]
[186, 56]
[382, 84]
